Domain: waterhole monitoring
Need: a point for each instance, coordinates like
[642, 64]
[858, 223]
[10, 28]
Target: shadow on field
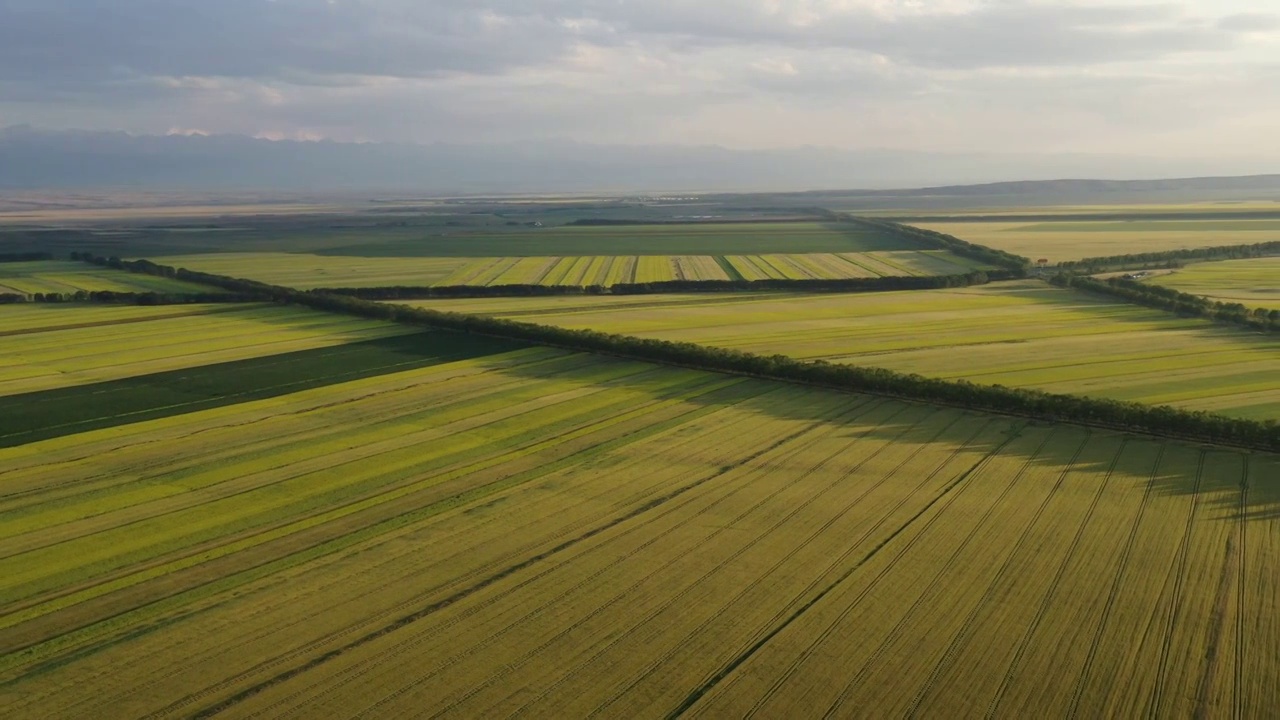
[30, 417]
[1140, 464]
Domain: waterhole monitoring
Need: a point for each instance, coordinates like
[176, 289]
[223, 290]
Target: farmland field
[1254, 282]
[1075, 240]
[58, 346]
[537, 532]
[311, 271]
[1021, 334]
[65, 277]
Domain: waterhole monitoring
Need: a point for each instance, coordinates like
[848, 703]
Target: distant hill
[32, 158]
[1075, 187]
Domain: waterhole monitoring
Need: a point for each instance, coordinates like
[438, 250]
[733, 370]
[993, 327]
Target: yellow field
[51, 346]
[1254, 282]
[1020, 334]
[1059, 241]
[559, 535]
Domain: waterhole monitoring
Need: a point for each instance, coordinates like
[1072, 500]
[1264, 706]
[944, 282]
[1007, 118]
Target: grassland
[1020, 334]
[57, 346]
[64, 277]
[553, 534]
[311, 271]
[1254, 282]
[1076, 240]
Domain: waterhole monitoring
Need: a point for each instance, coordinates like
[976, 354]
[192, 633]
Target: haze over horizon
[1163, 88]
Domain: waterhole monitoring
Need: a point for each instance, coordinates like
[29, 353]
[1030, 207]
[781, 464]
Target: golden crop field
[56, 346]
[1075, 240]
[1254, 282]
[1019, 334]
[310, 271]
[548, 534]
[66, 277]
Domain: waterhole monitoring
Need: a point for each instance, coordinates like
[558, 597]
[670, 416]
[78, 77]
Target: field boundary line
[1179, 582]
[1237, 705]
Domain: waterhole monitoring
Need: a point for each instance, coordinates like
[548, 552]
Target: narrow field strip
[39, 416]
[78, 345]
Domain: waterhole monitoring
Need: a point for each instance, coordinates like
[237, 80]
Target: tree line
[1170, 258]
[1116, 414]
[112, 297]
[1174, 301]
[834, 285]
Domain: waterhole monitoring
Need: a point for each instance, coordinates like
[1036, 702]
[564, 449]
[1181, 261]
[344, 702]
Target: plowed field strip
[1175, 601]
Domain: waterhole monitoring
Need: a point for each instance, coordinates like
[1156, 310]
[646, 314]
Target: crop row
[605, 270]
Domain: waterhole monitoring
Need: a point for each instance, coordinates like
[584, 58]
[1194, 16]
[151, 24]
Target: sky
[1176, 78]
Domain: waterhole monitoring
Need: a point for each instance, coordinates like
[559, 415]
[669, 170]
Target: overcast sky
[1180, 78]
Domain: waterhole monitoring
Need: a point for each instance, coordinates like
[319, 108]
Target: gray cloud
[942, 74]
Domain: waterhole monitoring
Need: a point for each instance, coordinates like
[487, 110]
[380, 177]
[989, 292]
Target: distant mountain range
[32, 158]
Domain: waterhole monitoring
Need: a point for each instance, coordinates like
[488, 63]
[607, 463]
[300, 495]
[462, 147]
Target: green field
[1085, 238]
[1020, 334]
[1254, 282]
[65, 277]
[310, 271]
[554, 534]
[43, 347]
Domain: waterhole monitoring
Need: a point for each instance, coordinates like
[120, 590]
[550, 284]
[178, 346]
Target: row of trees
[842, 285]
[1184, 304]
[1170, 258]
[1159, 420]
[124, 298]
[1015, 264]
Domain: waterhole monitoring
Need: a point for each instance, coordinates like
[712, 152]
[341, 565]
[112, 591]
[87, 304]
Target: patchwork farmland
[615, 537]
[261, 509]
[1019, 334]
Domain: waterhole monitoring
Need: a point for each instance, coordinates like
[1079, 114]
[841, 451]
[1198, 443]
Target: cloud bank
[1179, 78]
